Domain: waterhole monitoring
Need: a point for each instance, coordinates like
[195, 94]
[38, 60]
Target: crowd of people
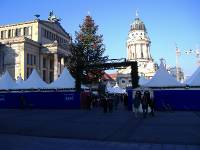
[141, 101]
[144, 99]
[108, 102]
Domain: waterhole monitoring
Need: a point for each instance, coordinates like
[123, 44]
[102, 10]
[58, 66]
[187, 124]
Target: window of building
[44, 75]
[34, 60]
[18, 32]
[51, 76]
[9, 34]
[28, 59]
[3, 34]
[44, 62]
[29, 71]
[51, 63]
[31, 59]
[123, 81]
[26, 31]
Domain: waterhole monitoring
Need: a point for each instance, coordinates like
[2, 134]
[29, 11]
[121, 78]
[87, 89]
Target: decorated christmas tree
[87, 49]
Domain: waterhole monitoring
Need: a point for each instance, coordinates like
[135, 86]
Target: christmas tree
[87, 49]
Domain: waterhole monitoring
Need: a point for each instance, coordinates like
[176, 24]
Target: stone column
[145, 53]
[138, 51]
[55, 66]
[148, 50]
[62, 63]
[135, 51]
[41, 66]
[48, 69]
[141, 50]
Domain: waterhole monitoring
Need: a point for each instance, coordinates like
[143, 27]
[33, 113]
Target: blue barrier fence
[178, 99]
[174, 99]
[57, 100]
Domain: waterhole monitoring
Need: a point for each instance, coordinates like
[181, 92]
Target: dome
[138, 25]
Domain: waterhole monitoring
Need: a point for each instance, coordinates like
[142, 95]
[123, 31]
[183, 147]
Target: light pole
[194, 52]
[178, 53]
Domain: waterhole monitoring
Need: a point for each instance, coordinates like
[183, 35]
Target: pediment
[55, 26]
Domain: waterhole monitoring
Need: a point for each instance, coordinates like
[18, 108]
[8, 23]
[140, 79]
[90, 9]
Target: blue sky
[167, 21]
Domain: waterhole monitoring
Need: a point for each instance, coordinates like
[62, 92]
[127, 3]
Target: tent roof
[6, 81]
[114, 89]
[33, 82]
[64, 81]
[194, 80]
[162, 79]
[143, 80]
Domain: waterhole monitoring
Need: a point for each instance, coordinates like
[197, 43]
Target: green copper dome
[138, 25]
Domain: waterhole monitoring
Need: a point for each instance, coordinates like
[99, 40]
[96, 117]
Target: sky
[168, 22]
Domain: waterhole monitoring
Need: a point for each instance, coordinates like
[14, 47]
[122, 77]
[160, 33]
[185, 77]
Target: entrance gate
[111, 64]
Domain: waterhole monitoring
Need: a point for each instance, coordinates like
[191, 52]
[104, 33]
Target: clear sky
[167, 22]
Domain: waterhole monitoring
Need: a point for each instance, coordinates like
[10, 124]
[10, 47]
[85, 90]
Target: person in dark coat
[151, 104]
[22, 102]
[136, 102]
[105, 104]
[145, 99]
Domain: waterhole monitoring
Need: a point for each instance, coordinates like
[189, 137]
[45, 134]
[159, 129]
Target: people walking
[136, 102]
[151, 104]
[145, 99]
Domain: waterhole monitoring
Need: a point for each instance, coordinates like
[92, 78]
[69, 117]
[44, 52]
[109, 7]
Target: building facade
[173, 71]
[138, 49]
[39, 44]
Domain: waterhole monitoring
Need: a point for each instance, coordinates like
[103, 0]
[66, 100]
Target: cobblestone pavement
[16, 142]
[82, 129]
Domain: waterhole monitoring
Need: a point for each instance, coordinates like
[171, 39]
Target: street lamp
[178, 53]
[194, 52]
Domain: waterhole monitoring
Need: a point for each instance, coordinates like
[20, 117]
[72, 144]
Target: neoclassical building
[40, 44]
[138, 49]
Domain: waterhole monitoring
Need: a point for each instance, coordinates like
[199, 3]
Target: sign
[69, 97]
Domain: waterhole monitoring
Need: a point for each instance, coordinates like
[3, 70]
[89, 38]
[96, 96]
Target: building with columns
[40, 44]
[138, 49]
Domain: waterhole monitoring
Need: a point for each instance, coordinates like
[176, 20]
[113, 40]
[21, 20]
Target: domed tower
[138, 48]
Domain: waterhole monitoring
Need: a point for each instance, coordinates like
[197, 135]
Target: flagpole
[177, 63]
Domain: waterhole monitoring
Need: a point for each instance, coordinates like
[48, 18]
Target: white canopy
[64, 81]
[162, 79]
[33, 82]
[6, 82]
[194, 80]
[115, 89]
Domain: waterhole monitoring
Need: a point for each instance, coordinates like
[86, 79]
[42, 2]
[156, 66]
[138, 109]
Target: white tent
[143, 80]
[6, 82]
[33, 82]
[115, 89]
[64, 81]
[163, 79]
[194, 80]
